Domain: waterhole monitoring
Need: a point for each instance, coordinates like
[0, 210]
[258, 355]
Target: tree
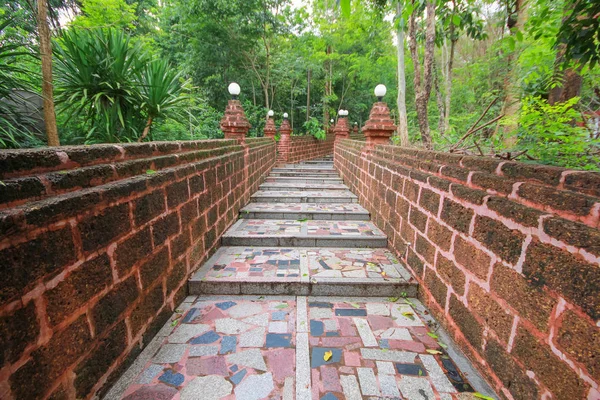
[401, 99]
[423, 82]
[46, 57]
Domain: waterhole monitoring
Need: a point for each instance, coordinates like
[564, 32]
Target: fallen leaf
[431, 351]
[433, 335]
[442, 345]
[355, 305]
[150, 172]
[408, 314]
[393, 299]
[327, 355]
[282, 305]
[482, 396]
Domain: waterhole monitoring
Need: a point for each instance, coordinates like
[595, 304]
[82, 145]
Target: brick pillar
[270, 129]
[342, 131]
[283, 147]
[234, 124]
[380, 127]
[355, 129]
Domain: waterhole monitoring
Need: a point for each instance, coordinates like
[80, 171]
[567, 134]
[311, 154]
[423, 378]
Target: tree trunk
[308, 73]
[449, 82]
[570, 87]
[328, 86]
[423, 86]
[439, 100]
[46, 56]
[401, 100]
[146, 129]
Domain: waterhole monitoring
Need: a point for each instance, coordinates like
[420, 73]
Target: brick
[494, 315]
[132, 250]
[199, 227]
[82, 177]
[411, 191]
[84, 155]
[439, 183]
[430, 201]
[532, 172]
[439, 234]
[154, 267]
[110, 307]
[189, 212]
[472, 196]
[20, 189]
[177, 193]
[97, 231]
[458, 173]
[196, 184]
[521, 214]
[14, 161]
[146, 308]
[176, 276]
[425, 249]
[180, 244]
[61, 207]
[504, 242]
[149, 207]
[18, 329]
[415, 262]
[164, 228]
[418, 219]
[532, 303]
[563, 200]
[569, 275]
[581, 340]
[96, 364]
[480, 163]
[456, 216]
[115, 191]
[436, 287]
[451, 274]
[50, 361]
[574, 233]
[27, 262]
[492, 182]
[77, 288]
[402, 207]
[468, 325]
[584, 182]
[509, 372]
[554, 373]
[470, 257]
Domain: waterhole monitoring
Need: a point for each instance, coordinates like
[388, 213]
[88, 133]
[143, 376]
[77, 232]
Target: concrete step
[311, 167]
[304, 196]
[309, 211]
[304, 174]
[277, 232]
[303, 271]
[305, 171]
[279, 186]
[297, 179]
[313, 163]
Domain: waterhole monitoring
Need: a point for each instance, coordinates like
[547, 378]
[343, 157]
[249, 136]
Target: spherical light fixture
[234, 90]
[341, 113]
[380, 91]
[331, 121]
[271, 113]
[285, 115]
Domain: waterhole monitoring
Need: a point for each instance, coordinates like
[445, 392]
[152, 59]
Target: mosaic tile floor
[325, 348]
[274, 227]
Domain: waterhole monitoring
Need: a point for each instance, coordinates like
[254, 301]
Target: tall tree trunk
[46, 56]
[328, 86]
[512, 103]
[308, 73]
[439, 100]
[449, 81]
[401, 100]
[423, 86]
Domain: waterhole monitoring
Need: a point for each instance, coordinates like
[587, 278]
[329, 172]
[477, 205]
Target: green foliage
[551, 135]
[313, 127]
[106, 13]
[580, 32]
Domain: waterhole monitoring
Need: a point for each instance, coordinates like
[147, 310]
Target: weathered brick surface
[294, 149]
[108, 242]
[510, 241]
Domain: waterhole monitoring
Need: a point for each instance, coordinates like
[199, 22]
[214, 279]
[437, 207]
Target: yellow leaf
[327, 355]
[408, 314]
[430, 351]
[481, 396]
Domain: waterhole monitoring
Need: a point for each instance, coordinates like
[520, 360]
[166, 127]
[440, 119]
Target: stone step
[277, 232]
[279, 186]
[304, 196]
[290, 173]
[300, 171]
[295, 179]
[310, 167]
[310, 162]
[303, 271]
[309, 211]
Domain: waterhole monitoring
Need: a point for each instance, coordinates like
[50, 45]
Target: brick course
[516, 257]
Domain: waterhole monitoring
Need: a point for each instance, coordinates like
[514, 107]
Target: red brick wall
[507, 255]
[300, 148]
[96, 246]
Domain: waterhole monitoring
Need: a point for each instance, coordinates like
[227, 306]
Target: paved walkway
[286, 309]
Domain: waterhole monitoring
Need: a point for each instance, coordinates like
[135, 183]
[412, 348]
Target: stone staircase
[303, 301]
[322, 243]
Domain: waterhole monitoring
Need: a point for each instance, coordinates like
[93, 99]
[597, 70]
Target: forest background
[514, 79]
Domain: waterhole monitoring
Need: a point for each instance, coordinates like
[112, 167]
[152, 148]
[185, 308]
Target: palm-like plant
[15, 127]
[109, 82]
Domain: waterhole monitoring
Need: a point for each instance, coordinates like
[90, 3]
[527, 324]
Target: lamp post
[270, 129]
[342, 131]
[234, 123]
[355, 128]
[380, 126]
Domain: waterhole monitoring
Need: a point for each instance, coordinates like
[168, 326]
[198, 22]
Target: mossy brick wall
[301, 148]
[507, 255]
[96, 246]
